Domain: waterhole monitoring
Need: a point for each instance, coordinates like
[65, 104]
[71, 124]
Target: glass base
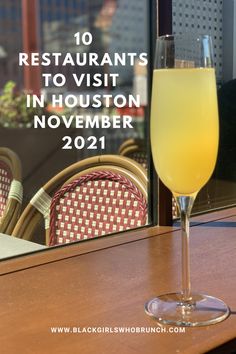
[201, 310]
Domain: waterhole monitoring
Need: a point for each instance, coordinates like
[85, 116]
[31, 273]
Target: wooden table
[108, 287]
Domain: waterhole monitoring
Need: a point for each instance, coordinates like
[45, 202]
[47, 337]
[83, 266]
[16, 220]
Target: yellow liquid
[184, 127]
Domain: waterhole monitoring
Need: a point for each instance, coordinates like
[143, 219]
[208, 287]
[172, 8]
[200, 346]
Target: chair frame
[13, 206]
[31, 217]
[131, 145]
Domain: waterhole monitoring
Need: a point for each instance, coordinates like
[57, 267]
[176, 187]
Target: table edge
[29, 260]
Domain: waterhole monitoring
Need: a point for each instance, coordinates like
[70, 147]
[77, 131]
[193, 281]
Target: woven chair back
[96, 204]
[5, 184]
[81, 194]
[135, 149]
[11, 191]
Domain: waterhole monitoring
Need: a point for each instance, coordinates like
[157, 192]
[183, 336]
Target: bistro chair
[93, 197]
[11, 190]
[136, 150]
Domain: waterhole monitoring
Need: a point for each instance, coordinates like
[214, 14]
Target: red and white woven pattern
[5, 183]
[93, 205]
[141, 158]
[175, 210]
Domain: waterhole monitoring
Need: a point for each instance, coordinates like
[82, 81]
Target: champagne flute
[184, 140]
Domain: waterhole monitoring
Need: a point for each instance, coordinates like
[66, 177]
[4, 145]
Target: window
[116, 29]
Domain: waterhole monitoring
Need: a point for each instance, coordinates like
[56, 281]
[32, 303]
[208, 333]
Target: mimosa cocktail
[184, 127]
[184, 139]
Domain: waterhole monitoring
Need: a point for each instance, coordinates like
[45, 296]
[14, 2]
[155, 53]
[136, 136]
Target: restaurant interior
[89, 230]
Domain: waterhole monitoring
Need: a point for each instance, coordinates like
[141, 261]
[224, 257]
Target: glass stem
[185, 204]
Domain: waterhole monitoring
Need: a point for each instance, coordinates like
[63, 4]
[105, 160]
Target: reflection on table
[11, 246]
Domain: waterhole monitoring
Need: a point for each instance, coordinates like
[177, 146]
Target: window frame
[161, 197]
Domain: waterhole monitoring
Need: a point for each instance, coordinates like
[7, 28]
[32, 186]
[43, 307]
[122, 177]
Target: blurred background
[49, 26]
